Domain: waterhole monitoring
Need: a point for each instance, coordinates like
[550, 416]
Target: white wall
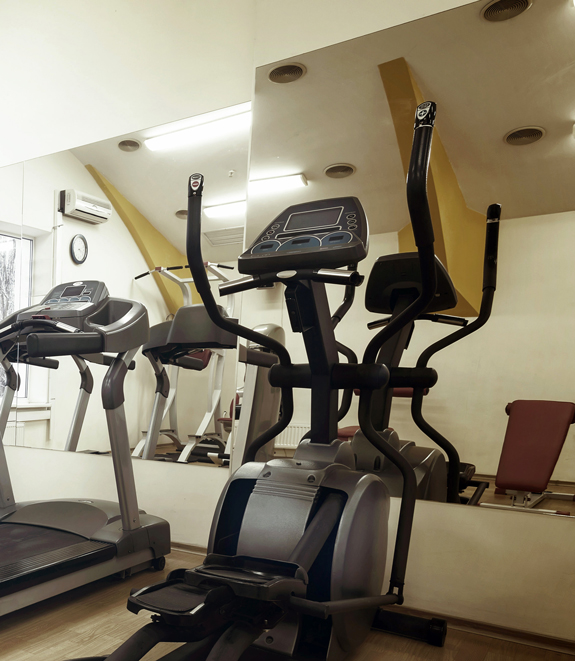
[299, 26]
[78, 71]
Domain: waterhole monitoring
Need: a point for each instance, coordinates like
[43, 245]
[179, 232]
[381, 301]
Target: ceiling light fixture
[502, 10]
[278, 184]
[226, 210]
[211, 125]
[287, 73]
[339, 170]
[526, 135]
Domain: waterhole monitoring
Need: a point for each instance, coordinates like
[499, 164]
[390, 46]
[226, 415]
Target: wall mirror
[143, 178]
[327, 115]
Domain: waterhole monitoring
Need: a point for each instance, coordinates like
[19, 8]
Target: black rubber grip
[260, 358]
[412, 377]
[417, 175]
[44, 362]
[491, 246]
[189, 363]
[40, 345]
[142, 275]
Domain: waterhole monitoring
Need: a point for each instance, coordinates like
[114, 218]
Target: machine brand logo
[423, 110]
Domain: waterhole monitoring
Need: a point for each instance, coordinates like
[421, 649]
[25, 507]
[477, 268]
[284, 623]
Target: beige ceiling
[487, 78]
[155, 182]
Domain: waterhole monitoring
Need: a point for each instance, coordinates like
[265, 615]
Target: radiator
[290, 436]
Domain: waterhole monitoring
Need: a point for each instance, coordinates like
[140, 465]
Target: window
[15, 289]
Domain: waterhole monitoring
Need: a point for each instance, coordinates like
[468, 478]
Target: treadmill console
[323, 234]
[72, 301]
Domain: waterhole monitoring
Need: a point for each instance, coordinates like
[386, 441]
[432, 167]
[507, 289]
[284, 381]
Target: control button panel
[324, 233]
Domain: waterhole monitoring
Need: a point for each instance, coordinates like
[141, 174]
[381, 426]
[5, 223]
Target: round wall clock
[79, 249]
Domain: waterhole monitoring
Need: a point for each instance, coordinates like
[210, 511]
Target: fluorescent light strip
[218, 124]
[226, 210]
[278, 184]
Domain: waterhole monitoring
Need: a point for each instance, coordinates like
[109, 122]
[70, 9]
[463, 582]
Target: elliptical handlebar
[328, 276]
[491, 246]
[417, 175]
[421, 223]
[196, 262]
[489, 282]
[420, 215]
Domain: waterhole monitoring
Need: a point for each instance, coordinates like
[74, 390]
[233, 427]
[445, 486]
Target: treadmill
[49, 547]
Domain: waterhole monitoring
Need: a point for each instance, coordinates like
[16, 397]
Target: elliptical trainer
[297, 549]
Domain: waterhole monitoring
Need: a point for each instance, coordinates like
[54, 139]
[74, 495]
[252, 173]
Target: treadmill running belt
[30, 555]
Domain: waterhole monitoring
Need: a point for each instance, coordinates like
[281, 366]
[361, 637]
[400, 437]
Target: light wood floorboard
[93, 620]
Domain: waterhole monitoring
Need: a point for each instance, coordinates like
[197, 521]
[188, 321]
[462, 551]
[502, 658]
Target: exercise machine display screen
[325, 233]
[313, 219]
[73, 291]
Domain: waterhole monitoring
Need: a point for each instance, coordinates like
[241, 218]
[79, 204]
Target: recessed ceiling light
[129, 145]
[182, 213]
[287, 73]
[226, 210]
[502, 10]
[278, 184]
[339, 170]
[525, 135]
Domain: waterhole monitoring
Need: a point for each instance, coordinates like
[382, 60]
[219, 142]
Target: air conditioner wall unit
[84, 206]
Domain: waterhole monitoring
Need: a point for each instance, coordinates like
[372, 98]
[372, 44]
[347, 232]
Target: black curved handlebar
[491, 245]
[423, 231]
[489, 282]
[196, 262]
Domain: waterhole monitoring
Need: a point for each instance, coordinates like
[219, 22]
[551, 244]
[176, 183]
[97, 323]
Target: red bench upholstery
[535, 435]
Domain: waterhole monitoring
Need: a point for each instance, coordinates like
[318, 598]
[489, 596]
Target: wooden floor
[93, 620]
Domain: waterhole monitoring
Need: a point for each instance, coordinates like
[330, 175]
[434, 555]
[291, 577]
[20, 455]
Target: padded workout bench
[536, 432]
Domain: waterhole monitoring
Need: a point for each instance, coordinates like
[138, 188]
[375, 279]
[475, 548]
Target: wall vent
[226, 236]
[502, 10]
[339, 170]
[290, 437]
[287, 73]
[524, 136]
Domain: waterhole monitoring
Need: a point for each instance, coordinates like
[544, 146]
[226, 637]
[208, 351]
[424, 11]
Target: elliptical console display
[328, 233]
